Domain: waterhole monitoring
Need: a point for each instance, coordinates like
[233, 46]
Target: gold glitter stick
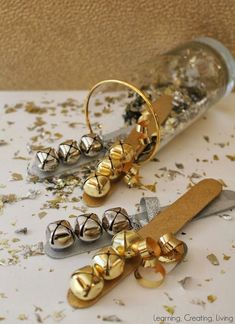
[170, 220]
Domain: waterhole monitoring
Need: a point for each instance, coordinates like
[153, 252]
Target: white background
[30, 283]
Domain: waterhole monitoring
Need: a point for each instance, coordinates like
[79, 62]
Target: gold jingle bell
[69, 152]
[108, 263]
[126, 243]
[110, 168]
[116, 220]
[88, 227]
[86, 284]
[122, 152]
[96, 185]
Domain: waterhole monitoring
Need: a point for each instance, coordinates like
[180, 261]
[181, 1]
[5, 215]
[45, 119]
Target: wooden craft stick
[171, 219]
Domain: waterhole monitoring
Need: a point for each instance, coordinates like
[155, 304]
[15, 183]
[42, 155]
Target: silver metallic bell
[116, 220]
[60, 235]
[69, 152]
[48, 159]
[88, 227]
[91, 144]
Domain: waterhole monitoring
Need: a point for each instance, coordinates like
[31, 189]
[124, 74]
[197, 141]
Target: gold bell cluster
[109, 169]
[88, 282]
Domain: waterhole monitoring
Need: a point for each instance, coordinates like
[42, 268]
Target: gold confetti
[31, 108]
[179, 166]
[22, 317]
[23, 230]
[206, 138]
[42, 214]
[198, 302]
[213, 259]
[231, 157]
[226, 257]
[169, 309]
[151, 188]
[72, 216]
[168, 296]
[185, 282]
[211, 298]
[215, 157]
[21, 158]
[3, 142]
[2, 318]
[110, 318]
[58, 316]
[119, 302]
[16, 177]
[15, 240]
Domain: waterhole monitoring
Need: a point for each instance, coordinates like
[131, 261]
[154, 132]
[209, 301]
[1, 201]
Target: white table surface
[41, 282]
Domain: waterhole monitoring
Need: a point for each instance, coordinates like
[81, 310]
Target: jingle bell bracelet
[124, 157]
[88, 282]
[88, 228]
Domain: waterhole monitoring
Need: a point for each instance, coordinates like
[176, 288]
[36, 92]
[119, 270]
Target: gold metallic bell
[91, 144]
[132, 178]
[88, 227]
[108, 263]
[86, 284]
[48, 159]
[116, 220]
[122, 152]
[126, 243]
[96, 185]
[60, 235]
[69, 152]
[110, 168]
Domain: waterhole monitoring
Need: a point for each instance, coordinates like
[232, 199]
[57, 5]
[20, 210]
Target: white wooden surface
[43, 282]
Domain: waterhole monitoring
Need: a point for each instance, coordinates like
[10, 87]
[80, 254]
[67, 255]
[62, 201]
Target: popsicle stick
[171, 219]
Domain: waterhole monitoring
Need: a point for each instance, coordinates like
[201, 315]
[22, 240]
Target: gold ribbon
[168, 249]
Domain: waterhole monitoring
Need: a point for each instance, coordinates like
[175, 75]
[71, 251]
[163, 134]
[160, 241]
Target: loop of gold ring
[148, 247]
[142, 95]
[157, 268]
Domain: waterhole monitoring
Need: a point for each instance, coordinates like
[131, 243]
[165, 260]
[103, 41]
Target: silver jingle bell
[60, 235]
[91, 144]
[116, 220]
[48, 159]
[69, 152]
[88, 227]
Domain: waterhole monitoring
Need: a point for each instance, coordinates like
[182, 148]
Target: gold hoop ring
[142, 95]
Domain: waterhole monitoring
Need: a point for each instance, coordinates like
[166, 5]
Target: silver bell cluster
[88, 228]
[69, 152]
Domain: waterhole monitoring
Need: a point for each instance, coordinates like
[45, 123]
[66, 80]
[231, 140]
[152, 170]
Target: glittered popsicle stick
[171, 219]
